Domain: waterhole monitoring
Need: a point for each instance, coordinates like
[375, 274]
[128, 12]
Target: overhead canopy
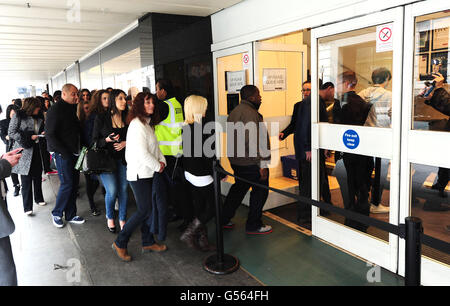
[39, 38]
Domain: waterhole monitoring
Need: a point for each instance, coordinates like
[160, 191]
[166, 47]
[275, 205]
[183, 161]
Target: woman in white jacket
[144, 158]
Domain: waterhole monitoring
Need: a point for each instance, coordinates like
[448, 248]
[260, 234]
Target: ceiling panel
[39, 38]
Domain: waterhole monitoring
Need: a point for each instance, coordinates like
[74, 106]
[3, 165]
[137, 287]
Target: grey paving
[81, 255]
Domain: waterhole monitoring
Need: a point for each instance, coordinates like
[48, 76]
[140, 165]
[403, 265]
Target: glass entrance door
[356, 121]
[425, 161]
[233, 68]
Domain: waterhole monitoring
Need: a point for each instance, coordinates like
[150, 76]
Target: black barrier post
[413, 253]
[220, 263]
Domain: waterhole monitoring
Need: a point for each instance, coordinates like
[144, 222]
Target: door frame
[377, 251]
[421, 147]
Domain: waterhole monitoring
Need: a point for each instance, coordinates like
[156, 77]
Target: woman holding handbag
[26, 128]
[110, 130]
[92, 182]
[144, 158]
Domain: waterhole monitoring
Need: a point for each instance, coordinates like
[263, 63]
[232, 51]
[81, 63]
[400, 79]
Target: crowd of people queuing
[146, 137]
[142, 133]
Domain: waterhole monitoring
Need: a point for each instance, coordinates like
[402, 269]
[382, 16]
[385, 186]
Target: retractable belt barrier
[398, 230]
[405, 231]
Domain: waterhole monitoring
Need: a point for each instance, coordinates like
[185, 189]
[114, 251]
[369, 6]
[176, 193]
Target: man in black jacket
[302, 144]
[306, 91]
[353, 110]
[62, 132]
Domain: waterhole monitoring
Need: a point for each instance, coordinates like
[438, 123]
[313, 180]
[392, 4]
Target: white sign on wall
[274, 79]
[245, 61]
[235, 81]
[385, 40]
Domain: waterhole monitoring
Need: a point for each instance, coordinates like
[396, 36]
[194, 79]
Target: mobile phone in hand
[111, 137]
[20, 151]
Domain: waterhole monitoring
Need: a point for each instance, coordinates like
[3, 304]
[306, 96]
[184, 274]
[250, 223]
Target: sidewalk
[84, 256]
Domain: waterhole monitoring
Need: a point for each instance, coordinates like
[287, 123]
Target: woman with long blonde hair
[198, 170]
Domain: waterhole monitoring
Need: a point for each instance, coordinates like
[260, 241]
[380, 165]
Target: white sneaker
[41, 203]
[263, 230]
[29, 213]
[380, 209]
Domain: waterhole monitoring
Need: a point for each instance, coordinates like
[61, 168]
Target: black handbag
[98, 160]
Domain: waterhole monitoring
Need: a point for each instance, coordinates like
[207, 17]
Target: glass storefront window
[360, 71]
[430, 203]
[92, 78]
[431, 70]
[355, 88]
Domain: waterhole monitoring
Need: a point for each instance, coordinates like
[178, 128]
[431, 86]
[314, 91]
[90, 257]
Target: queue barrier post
[219, 263]
[413, 250]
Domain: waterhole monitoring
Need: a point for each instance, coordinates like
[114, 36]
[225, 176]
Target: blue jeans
[116, 185]
[142, 190]
[67, 193]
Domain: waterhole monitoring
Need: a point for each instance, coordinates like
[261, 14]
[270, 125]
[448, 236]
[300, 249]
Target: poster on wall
[274, 79]
[423, 65]
[235, 80]
[440, 39]
[424, 41]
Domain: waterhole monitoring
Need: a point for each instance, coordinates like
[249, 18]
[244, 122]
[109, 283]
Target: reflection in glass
[431, 72]
[356, 54]
[362, 75]
[373, 198]
[430, 203]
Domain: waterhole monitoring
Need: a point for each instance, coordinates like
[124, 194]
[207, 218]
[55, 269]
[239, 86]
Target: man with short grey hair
[62, 132]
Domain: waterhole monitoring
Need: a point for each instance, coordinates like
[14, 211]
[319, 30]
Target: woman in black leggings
[144, 158]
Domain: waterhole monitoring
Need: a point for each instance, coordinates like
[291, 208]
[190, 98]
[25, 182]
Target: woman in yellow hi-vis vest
[170, 187]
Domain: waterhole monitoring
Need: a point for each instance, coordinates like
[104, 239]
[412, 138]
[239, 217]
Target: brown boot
[188, 235]
[154, 248]
[122, 253]
[202, 242]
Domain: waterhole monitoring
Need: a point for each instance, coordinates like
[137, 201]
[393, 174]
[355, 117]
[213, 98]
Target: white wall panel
[253, 20]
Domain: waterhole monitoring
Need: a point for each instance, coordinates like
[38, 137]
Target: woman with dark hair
[84, 95]
[92, 182]
[26, 128]
[110, 130]
[144, 158]
[11, 110]
[57, 96]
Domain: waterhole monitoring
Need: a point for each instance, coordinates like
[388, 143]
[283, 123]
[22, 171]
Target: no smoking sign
[385, 37]
[245, 60]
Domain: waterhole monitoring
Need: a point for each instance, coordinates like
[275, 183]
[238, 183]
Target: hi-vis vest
[168, 132]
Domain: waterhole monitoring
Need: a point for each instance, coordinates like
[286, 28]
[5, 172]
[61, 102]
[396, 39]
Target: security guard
[170, 186]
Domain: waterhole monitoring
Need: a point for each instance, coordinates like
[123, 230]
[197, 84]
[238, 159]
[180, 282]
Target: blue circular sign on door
[351, 139]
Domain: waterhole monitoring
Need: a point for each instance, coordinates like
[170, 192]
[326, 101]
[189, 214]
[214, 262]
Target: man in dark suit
[8, 276]
[306, 91]
[302, 144]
